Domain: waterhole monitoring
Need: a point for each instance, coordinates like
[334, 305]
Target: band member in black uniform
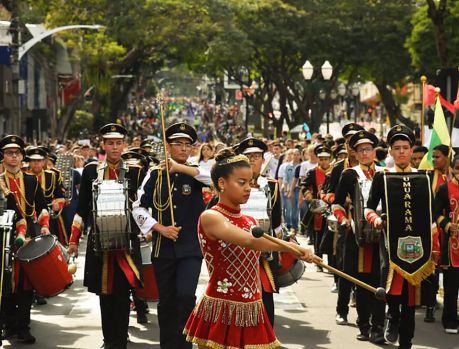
[447, 217]
[176, 255]
[25, 197]
[109, 274]
[361, 258]
[52, 190]
[439, 175]
[312, 189]
[402, 296]
[264, 205]
[344, 286]
[136, 163]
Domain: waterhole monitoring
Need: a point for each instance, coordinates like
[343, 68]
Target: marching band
[143, 210]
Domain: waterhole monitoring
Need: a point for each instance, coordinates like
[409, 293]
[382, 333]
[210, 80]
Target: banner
[409, 224]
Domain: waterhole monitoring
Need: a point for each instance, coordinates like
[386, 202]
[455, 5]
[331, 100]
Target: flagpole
[423, 83]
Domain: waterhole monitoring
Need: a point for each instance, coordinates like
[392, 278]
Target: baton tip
[380, 294]
[257, 232]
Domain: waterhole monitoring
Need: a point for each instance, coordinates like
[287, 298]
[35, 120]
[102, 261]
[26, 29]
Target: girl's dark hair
[444, 149]
[222, 169]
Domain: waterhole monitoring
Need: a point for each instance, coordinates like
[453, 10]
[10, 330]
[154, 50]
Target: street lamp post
[327, 72]
[355, 92]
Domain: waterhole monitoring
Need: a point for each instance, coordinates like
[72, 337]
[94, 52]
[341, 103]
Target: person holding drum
[52, 190]
[113, 262]
[361, 253]
[136, 161]
[344, 286]
[177, 257]
[25, 196]
[231, 313]
[312, 189]
[264, 205]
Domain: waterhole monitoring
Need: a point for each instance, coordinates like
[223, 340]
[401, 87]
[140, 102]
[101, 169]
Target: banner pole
[423, 85]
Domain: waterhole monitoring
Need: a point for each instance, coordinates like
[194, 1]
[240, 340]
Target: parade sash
[409, 224]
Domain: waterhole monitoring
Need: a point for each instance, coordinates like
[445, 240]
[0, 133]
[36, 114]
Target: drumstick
[380, 293]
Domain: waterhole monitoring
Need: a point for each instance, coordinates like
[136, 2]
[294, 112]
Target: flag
[440, 135]
[429, 98]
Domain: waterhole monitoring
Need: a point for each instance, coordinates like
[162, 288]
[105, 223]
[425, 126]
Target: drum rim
[28, 260]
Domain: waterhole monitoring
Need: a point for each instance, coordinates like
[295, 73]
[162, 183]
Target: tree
[433, 41]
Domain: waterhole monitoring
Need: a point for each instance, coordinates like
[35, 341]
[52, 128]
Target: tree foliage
[385, 41]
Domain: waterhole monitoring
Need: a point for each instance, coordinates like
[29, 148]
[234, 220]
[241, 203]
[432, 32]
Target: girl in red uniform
[230, 314]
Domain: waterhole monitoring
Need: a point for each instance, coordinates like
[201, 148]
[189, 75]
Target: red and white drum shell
[45, 265]
[149, 291]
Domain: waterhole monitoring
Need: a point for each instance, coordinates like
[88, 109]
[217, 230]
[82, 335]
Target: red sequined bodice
[233, 270]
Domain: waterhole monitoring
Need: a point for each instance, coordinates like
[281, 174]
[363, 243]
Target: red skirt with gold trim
[225, 324]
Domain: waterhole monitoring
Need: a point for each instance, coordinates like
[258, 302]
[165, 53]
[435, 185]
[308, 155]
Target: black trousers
[114, 310]
[370, 311]
[141, 306]
[268, 303]
[401, 313]
[17, 310]
[451, 286]
[429, 289]
[177, 279]
[344, 286]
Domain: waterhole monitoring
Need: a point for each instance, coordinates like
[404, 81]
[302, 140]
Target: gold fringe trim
[416, 278]
[214, 345]
[239, 313]
[269, 273]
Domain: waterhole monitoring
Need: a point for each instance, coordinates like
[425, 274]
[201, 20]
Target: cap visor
[180, 135]
[36, 157]
[253, 150]
[113, 135]
[11, 145]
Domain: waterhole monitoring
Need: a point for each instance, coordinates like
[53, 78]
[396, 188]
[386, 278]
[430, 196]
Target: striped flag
[440, 135]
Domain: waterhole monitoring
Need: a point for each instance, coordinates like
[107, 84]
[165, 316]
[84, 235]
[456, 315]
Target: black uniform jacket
[32, 202]
[187, 204]
[94, 260]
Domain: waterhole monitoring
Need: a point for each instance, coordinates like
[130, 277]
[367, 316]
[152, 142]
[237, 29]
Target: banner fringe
[416, 278]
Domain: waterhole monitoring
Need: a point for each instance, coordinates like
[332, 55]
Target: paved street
[305, 319]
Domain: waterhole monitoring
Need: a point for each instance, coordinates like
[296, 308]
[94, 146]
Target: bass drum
[45, 265]
[291, 269]
[149, 291]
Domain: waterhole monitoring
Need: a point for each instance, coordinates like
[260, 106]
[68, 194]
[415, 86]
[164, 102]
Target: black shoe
[377, 336]
[363, 336]
[8, 333]
[429, 314]
[405, 346]
[39, 300]
[26, 337]
[142, 318]
[391, 331]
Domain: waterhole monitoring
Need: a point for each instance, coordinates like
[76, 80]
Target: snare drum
[149, 291]
[45, 265]
[332, 223]
[291, 270]
[111, 215]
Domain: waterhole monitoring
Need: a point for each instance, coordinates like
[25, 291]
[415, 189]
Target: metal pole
[15, 42]
[423, 85]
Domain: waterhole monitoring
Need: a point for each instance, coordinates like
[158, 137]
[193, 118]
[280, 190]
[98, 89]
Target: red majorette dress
[230, 314]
